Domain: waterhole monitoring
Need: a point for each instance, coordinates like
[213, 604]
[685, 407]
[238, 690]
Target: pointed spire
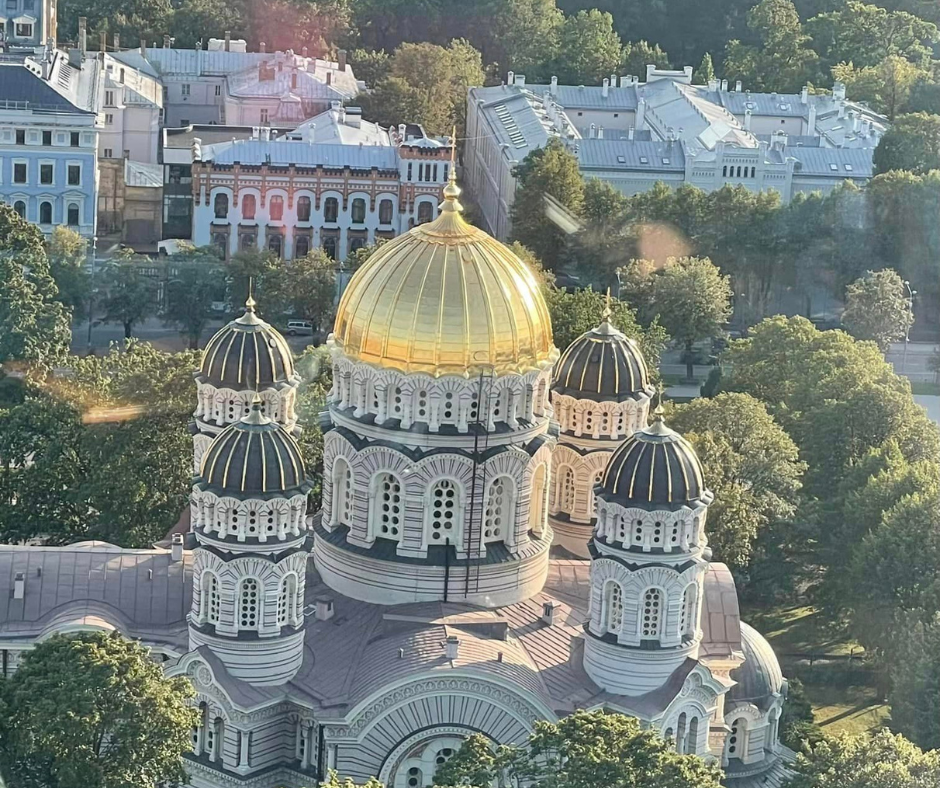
[607, 310]
[452, 191]
[658, 425]
[250, 318]
[255, 416]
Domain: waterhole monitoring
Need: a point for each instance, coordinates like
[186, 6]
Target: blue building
[27, 24]
[49, 142]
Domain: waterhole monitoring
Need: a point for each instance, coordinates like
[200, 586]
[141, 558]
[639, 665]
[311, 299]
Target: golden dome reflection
[446, 299]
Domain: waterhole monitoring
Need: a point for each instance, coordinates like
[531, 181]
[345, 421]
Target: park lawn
[842, 699]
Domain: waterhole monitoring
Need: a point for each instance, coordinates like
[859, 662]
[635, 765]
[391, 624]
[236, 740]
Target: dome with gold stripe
[446, 299]
[247, 354]
[655, 467]
[254, 458]
[603, 365]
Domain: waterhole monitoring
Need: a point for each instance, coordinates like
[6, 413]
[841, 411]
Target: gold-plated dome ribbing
[446, 298]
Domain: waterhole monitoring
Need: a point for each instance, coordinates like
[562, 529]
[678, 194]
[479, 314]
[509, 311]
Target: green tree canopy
[637, 55]
[885, 86]
[914, 666]
[589, 48]
[68, 252]
[190, 294]
[583, 750]
[93, 710]
[862, 761]
[303, 288]
[877, 308]
[911, 143]
[751, 465]
[130, 295]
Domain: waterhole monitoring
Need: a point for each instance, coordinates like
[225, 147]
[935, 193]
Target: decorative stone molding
[273, 520]
[610, 420]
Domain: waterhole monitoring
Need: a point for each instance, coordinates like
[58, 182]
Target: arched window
[287, 600]
[669, 735]
[692, 744]
[249, 604]
[414, 778]
[652, 613]
[425, 212]
[358, 210]
[72, 215]
[276, 208]
[329, 246]
[221, 206]
[45, 213]
[303, 209]
[342, 492]
[20, 207]
[537, 501]
[249, 206]
[613, 606]
[444, 523]
[564, 489]
[330, 209]
[385, 211]
[275, 244]
[389, 507]
[724, 171]
[687, 614]
[682, 733]
[211, 601]
[498, 521]
[301, 246]
[592, 502]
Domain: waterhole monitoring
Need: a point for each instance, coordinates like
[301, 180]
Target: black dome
[247, 353]
[760, 677]
[602, 365]
[654, 467]
[254, 457]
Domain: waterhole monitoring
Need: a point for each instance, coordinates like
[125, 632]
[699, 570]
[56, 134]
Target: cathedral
[507, 534]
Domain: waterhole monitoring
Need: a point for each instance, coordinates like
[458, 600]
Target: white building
[228, 85]
[336, 182]
[421, 604]
[634, 134]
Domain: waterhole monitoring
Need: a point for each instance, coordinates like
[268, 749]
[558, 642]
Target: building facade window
[444, 514]
[75, 174]
[651, 614]
[385, 212]
[45, 213]
[24, 30]
[687, 614]
[220, 241]
[736, 739]
[108, 119]
[47, 139]
[302, 246]
[498, 520]
[20, 207]
[358, 210]
[277, 208]
[19, 172]
[249, 206]
[389, 507]
[185, 89]
[109, 98]
[275, 244]
[330, 209]
[287, 600]
[46, 174]
[249, 604]
[21, 136]
[211, 600]
[74, 139]
[221, 206]
[247, 241]
[218, 90]
[264, 116]
[425, 212]
[329, 246]
[303, 209]
[72, 213]
[613, 607]
[342, 492]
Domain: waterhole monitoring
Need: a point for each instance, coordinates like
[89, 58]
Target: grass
[924, 387]
[842, 693]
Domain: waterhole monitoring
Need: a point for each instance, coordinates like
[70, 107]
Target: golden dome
[446, 299]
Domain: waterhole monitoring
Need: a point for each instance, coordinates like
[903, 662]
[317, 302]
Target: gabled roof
[630, 155]
[21, 84]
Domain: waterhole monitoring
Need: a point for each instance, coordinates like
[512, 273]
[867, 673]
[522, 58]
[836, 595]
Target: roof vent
[19, 585]
[548, 612]
[452, 647]
[324, 609]
[176, 550]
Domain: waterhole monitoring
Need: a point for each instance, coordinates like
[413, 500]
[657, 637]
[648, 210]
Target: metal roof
[590, 97]
[838, 163]
[284, 152]
[630, 155]
[20, 88]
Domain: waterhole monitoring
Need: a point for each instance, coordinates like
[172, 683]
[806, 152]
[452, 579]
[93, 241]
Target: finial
[607, 310]
[660, 411]
[255, 416]
[250, 302]
[452, 190]
[453, 154]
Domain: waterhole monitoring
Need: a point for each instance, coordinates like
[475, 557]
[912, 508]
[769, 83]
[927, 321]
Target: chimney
[520, 80]
[228, 40]
[548, 612]
[605, 87]
[724, 86]
[176, 550]
[19, 585]
[838, 91]
[329, 77]
[166, 42]
[856, 121]
[303, 51]
[811, 122]
[600, 132]
[631, 133]
[452, 646]
[354, 117]
[841, 109]
[640, 113]
[747, 120]
[804, 94]
[324, 610]
[402, 128]
[83, 35]
[624, 82]
[117, 41]
[262, 47]
[738, 86]
[511, 78]
[593, 133]
[341, 56]
[102, 42]
[554, 88]
[143, 47]
[713, 85]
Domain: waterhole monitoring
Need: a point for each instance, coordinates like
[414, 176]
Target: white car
[302, 328]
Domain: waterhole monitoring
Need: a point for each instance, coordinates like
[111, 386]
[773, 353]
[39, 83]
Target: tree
[862, 761]
[197, 20]
[426, 84]
[914, 667]
[886, 86]
[912, 143]
[303, 288]
[131, 296]
[525, 37]
[93, 709]
[553, 172]
[877, 308]
[583, 750]
[637, 55]
[189, 299]
[333, 780]
[749, 462]
[781, 60]
[68, 252]
[34, 326]
[693, 301]
[588, 48]
[574, 313]
[370, 65]
[705, 73]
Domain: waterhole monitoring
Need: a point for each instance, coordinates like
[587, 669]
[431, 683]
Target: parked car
[299, 328]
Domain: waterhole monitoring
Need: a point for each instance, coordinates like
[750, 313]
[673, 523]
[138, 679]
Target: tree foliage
[130, 295]
[912, 143]
[877, 308]
[93, 710]
[190, 294]
[588, 49]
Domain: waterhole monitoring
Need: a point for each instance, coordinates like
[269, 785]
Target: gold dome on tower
[446, 299]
